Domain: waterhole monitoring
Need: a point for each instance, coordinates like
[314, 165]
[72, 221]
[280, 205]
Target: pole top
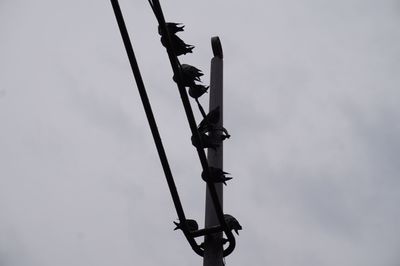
[216, 47]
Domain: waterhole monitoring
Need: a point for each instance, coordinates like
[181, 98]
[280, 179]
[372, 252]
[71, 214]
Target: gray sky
[311, 101]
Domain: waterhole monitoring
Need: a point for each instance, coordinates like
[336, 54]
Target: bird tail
[178, 226]
[226, 179]
[190, 48]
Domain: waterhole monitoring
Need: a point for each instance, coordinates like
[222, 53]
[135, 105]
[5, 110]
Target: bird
[197, 90]
[216, 175]
[179, 46]
[190, 74]
[205, 142]
[232, 223]
[188, 224]
[209, 121]
[172, 27]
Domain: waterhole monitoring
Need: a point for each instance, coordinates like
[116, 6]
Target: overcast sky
[311, 100]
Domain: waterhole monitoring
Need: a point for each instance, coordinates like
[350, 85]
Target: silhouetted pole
[213, 249]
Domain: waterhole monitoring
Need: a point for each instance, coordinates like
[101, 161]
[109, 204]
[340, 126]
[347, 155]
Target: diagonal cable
[152, 123]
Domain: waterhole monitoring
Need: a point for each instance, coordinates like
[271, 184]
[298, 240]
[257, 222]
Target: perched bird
[209, 121]
[232, 223]
[205, 142]
[179, 46]
[216, 175]
[197, 90]
[190, 225]
[172, 28]
[190, 74]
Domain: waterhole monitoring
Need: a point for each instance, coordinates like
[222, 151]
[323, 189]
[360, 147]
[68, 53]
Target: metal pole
[213, 249]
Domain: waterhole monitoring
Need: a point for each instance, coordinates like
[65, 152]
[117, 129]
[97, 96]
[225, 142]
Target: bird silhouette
[190, 74]
[209, 121]
[197, 90]
[172, 28]
[216, 175]
[232, 223]
[179, 46]
[189, 224]
[205, 142]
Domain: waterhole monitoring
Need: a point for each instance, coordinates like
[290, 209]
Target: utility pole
[213, 247]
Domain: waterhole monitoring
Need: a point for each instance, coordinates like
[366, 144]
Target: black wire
[152, 6]
[200, 108]
[152, 122]
[193, 126]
